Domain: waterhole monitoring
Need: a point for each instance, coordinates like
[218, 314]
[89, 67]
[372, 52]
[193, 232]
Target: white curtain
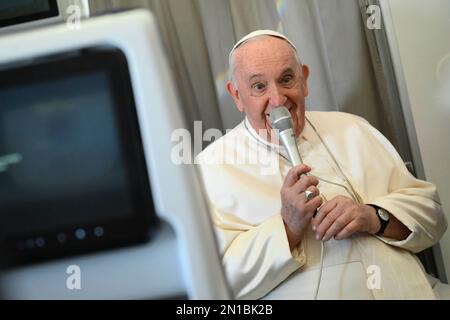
[182, 33]
[330, 39]
[329, 34]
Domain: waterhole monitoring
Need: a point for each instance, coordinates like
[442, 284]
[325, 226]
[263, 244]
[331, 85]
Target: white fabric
[362, 164]
[259, 33]
[441, 290]
[343, 275]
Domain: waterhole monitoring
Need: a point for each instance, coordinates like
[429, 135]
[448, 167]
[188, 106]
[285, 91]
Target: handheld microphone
[282, 121]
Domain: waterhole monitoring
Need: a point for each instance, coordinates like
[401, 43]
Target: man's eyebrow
[287, 70]
[258, 75]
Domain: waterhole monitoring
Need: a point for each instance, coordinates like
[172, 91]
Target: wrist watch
[383, 215]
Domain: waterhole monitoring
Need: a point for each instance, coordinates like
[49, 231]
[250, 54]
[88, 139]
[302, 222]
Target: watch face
[383, 214]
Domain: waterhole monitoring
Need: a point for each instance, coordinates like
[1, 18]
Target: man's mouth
[268, 114]
[269, 123]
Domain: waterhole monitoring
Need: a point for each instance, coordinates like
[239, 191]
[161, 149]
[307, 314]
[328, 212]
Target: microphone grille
[281, 119]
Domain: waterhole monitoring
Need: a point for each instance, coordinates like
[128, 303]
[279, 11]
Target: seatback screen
[72, 167]
[21, 11]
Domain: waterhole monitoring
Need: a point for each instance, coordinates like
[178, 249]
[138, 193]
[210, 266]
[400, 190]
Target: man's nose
[277, 97]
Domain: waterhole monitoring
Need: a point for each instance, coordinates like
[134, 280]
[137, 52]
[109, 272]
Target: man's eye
[287, 79]
[259, 86]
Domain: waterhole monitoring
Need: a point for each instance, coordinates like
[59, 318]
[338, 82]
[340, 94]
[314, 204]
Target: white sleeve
[256, 258]
[413, 202]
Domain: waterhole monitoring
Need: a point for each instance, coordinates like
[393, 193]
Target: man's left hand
[341, 217]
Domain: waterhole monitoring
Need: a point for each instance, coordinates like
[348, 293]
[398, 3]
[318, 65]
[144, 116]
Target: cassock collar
[259, 139]
[280, 149]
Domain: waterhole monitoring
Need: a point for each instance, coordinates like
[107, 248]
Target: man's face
[267, 75]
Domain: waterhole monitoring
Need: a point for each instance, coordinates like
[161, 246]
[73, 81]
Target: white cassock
[243, 175]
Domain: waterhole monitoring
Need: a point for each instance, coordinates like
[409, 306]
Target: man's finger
[326, 222]
[313, 204]
[311, 192]
[304, 183]
[347, 231]
[337, 226]
[323, 212]
[294, 174]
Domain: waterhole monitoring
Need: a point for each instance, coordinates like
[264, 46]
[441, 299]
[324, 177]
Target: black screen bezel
[118, 231]
[52, 12]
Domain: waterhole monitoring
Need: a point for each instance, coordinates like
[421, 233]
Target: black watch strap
[383, 216]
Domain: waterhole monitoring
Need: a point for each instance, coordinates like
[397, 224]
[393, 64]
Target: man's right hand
[296, 210]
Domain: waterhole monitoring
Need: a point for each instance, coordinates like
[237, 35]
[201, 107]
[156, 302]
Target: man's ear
[305, 74]
[234, 93]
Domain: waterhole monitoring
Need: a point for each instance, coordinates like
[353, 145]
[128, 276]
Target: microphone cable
[322, 249]
[319, 278]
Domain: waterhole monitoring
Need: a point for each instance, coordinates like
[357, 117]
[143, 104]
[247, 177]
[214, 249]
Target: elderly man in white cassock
[344, 224]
